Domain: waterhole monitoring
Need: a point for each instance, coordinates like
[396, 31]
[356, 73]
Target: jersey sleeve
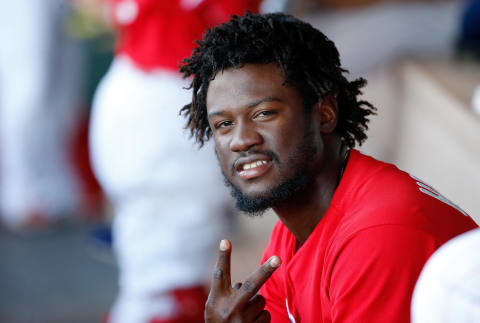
[374, 273]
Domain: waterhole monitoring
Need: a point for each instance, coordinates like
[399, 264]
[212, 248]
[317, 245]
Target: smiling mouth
[254, 169]
[253, 164]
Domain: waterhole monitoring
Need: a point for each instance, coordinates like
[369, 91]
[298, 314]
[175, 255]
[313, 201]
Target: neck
[302, 213]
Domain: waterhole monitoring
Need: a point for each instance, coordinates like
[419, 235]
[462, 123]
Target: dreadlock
[308, 59]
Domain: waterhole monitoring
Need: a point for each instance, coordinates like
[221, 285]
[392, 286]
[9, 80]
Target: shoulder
[379, 185]
[372, 184]
[383, 246]
[378, 193]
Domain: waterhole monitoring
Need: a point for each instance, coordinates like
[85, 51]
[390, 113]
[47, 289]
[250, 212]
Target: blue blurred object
[99, 244]
[470, 28]
[471, 21]
[102, 235]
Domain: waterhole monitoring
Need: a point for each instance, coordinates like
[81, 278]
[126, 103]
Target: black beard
[256, 206]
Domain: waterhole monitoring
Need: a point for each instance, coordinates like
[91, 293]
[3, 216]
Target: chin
[261, 197]
[251, 205]
[257, 191]
[256, 204]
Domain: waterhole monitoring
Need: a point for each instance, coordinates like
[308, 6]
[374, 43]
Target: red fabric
[362, 260]
[164, 32]
[80, 157]
[189, 304]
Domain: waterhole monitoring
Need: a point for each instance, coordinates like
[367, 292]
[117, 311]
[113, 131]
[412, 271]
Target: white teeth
[254, 164]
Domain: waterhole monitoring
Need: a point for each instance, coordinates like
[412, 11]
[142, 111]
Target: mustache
[273, 156]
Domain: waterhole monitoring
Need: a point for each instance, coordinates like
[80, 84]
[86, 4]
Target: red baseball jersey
[160, 33]
[362, 260]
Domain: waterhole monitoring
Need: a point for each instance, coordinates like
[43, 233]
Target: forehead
[241, 86]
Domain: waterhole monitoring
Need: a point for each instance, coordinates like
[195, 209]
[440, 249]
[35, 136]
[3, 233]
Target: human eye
[223, 124]
[264, 114]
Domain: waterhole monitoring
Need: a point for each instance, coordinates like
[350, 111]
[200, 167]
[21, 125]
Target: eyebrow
[249, 106]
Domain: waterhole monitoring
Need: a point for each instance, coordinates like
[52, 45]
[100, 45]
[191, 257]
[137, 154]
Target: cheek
[222, 156]
[285, 142]
[292, 128]
[298, 145]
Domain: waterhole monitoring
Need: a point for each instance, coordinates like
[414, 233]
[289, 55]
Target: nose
[245, 136]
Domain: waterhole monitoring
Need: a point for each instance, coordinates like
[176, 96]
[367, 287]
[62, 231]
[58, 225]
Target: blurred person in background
[167, 196]
[41, 78]
[448, 290]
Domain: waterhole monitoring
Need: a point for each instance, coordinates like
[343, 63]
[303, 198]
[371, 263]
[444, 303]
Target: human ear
[326, 111]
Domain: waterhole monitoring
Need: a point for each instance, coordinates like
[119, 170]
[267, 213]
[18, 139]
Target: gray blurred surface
[61, 276]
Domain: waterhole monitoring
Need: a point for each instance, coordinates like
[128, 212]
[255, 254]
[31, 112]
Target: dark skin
[239, 303]
[251, 113]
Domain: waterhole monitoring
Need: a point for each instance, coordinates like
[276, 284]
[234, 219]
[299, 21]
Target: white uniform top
[448, 289]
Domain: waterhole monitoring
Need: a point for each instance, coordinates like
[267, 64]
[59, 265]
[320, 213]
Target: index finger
[221, 276]
[253, 283]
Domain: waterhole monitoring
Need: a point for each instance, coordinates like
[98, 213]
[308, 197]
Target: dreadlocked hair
[308, 59]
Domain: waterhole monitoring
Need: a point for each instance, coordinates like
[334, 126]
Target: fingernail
[223, 245]
[275, 262]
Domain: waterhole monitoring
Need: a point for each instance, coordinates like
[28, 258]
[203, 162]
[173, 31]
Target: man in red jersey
[354, 232]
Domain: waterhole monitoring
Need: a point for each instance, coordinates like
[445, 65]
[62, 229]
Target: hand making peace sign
[240, 303]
